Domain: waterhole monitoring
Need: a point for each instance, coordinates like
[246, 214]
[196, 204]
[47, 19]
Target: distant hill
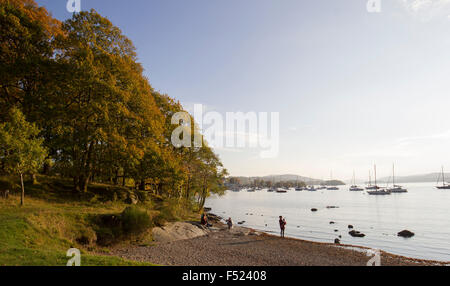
[424, 178]
[289, 178]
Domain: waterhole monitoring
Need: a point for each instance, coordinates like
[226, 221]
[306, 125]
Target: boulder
[406, 234]
[332, 222]
[337, 241]
[213, 218]
[355, 233]
[178, 231]
[350, 226]
[313, 210]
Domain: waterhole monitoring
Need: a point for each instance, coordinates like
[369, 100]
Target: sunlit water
[424, 211]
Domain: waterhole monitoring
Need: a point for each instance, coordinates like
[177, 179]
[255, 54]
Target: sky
[352, 88]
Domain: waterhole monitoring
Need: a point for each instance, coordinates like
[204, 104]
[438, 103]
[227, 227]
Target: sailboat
[332, 188]
[354, 187]
[377, 190]
[396, 188]
[281, 190]
[311, 189]
[445, 186]
[298, 188]
[370, 186]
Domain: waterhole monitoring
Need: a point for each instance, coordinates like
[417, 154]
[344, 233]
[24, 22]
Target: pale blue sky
[352, 88]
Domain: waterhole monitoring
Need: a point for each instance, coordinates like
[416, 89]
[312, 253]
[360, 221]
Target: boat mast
[393, 175]
[375, 176]
[443, 178]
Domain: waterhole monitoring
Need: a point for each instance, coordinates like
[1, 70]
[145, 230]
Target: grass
[54, 220]
[40, 233]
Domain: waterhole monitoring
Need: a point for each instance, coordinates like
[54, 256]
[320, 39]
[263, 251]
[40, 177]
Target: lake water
[424, 210]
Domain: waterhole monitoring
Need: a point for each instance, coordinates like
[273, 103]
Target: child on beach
[229, 223]
[283, 223]
[204, 220]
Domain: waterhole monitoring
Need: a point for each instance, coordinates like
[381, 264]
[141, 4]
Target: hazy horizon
[352, 88]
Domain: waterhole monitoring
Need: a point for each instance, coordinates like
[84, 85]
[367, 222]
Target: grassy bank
[55, 219]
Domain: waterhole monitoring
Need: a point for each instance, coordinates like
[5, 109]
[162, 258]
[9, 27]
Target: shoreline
[243, 246]
[349, 247]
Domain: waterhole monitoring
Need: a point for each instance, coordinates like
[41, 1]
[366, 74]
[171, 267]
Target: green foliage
[20, 149]
[40, 233]
[135, 220]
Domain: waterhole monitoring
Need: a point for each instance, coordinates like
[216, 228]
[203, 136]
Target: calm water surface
[424, 211]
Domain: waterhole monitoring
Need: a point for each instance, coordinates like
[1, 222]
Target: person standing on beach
[283, 223]
[229, 223]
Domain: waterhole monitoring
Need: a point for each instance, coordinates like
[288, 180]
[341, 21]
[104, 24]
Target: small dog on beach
[4, 194]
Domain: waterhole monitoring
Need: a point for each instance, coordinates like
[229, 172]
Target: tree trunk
[142, 185]
[22, 197]
[76, 184]
[188, 188]
[33, 179]
[115, 180]
[83, 183]
[46, 169]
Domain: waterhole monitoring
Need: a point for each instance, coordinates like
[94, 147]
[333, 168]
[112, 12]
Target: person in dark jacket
[282, 223]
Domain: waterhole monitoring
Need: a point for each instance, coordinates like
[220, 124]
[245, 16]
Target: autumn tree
[25, 53]
[81, 86]
[107, 111]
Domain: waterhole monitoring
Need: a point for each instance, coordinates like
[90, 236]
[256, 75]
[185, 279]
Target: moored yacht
[355, 187]
[377, 190]
[311, 189]
[396, 188]
[370, 186]
[298, 188]
[445, 185]
[332, 188]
